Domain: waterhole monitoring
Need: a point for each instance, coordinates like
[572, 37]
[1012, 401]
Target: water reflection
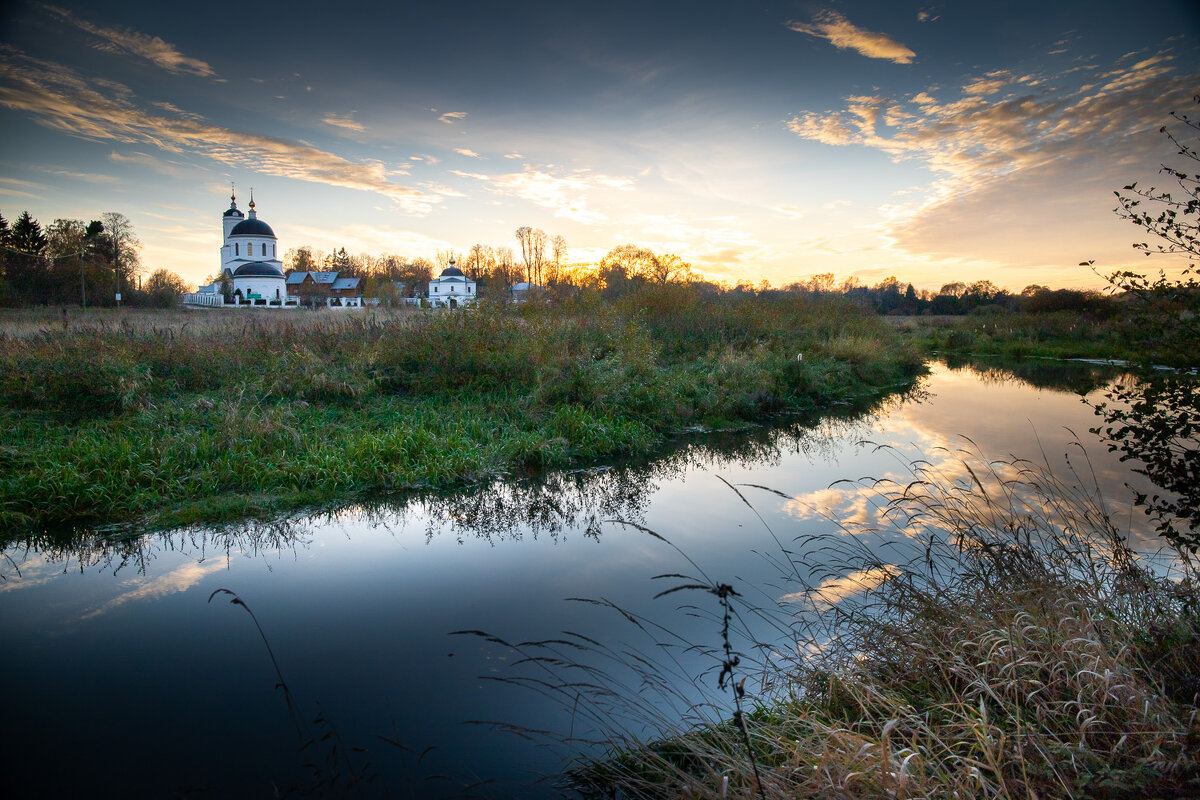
[501, 509]
[1075, 377]
[125, 549]
[359, 600]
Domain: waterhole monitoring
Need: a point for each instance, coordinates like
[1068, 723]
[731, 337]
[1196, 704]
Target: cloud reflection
[176, 581]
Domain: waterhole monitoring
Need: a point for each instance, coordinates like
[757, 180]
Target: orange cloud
[563, 194]
[1006, 162]
[845, 35]
[343, 121]
[124, 40]
[60, 99]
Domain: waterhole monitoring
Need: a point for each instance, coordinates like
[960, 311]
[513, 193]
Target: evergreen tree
[27, 235]
[26, 269]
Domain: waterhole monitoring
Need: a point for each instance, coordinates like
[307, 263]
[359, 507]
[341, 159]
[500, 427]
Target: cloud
[442, 189]
[361, 238]
[19, 182]
[1006, 163]
[90, 177]
[451, 117]
[713, 241]
[994, 82]
[564, 194]
[844, 35]
[513, 155]
[343, 121]
[8, 191]
[125, 40]
[61, 100]
[146, 160]
[463, 151]
[794, 212]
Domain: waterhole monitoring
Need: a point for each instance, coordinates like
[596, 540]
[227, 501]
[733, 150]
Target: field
[177, 416]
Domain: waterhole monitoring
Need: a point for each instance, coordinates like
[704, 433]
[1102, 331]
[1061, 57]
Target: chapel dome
[257, 269]
[448, 272]
[233, 212]
[252, 227]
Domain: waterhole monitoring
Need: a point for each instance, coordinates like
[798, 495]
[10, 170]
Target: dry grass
[132, 413]
[28, 323]
[1026, 652]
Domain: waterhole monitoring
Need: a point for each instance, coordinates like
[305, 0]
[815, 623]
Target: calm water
[121, 678]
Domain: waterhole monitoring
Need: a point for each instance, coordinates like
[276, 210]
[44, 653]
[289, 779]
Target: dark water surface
[121, 678]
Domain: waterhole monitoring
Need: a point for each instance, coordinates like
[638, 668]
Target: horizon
[930, 142]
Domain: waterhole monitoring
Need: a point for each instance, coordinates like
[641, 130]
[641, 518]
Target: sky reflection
[359, 603]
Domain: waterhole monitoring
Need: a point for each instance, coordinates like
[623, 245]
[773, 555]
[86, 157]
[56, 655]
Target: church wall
[267, 287]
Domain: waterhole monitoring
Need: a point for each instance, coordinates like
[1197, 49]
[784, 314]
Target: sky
[932, 141]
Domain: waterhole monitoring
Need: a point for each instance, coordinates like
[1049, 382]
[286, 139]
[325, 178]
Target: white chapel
[249, 258]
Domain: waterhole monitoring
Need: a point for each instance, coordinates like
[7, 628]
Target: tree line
[543, 262]
[71, 261]
[891, 296]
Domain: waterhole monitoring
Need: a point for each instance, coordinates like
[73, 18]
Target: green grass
[1060, 334]
[175, 418]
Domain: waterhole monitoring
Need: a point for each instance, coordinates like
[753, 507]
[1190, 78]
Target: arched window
[272, 251]
[235, 248]
[249, 248]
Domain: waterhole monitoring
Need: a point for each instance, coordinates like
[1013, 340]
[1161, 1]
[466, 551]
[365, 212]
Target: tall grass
[104, 421]
[1060, 334]
[1024, 651]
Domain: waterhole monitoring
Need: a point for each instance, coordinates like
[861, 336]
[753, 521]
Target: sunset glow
[930, 141]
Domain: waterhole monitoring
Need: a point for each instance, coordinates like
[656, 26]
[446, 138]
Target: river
[121, 677]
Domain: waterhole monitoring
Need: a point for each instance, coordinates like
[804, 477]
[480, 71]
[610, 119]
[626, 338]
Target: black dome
[233, 212]
[448, 272]
[252, 227]
[256, 269]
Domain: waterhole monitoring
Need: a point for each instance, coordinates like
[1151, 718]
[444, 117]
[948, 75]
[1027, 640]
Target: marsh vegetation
[107, 420]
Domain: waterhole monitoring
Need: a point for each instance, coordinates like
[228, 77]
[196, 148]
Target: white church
[452, 289]
[252, 273]
[250, 263]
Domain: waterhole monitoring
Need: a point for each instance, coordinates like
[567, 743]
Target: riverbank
[1025, 652]
[173, 419]
[1058, 334]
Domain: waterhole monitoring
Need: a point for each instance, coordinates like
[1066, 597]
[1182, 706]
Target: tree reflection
[499, 509]
[123, 547]
[1076, 377]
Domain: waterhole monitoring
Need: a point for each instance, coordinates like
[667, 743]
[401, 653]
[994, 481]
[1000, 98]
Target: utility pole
[117, 266]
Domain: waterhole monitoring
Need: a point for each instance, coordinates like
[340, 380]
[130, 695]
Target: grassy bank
[186, 416]
[1024, 652]
[1060, 334]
